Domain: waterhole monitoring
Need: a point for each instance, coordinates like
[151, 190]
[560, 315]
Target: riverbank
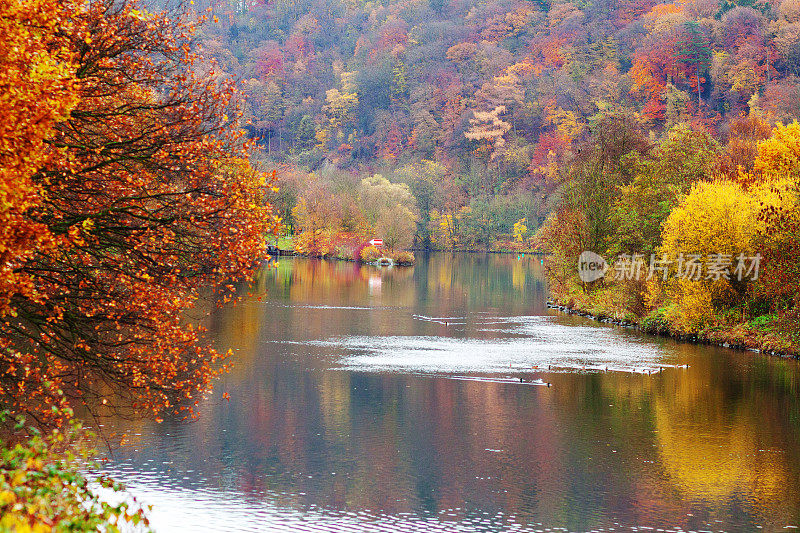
[343, 246]
[510, 251]
[353, 252]
[347, 247]
[756, 336]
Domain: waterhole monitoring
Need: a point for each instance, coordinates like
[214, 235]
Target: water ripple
[540, 344]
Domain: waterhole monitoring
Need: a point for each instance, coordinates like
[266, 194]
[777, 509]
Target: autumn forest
[477, 106]
[151, 151]
[617, 127]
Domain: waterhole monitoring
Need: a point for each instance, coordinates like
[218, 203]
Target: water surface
[447, 397]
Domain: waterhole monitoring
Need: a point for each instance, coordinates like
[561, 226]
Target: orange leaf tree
[148, 199]
[36, 91]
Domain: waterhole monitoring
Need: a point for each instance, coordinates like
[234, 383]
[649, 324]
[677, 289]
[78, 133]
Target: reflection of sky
[519, 344]
[181, 509]
[339, 419]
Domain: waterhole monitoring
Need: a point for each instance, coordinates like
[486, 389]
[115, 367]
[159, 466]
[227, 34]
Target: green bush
[763, 322]
[655, 323]
[42, 488]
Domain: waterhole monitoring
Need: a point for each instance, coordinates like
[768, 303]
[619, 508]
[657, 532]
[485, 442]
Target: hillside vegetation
[633, 129]
[476, 105]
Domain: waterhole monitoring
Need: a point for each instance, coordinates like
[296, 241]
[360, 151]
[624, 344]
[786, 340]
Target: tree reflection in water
[305, 444]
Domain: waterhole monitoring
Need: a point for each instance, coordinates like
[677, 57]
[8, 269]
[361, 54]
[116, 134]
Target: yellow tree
[779, 156]
[396, 225]
[777, 179]
[520, 229]
[704, 239]
[377, 194]
[318, 215]
[341, 105]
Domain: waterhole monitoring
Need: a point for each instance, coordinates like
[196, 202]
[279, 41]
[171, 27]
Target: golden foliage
[779, 156]
[37, 90]
[370, 254]
[718, 217]
[520, 229]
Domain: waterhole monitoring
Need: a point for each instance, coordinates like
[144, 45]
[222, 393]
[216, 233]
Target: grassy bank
[769, 333]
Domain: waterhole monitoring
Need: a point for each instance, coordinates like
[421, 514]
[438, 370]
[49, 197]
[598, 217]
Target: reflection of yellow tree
[724, 459]
[239, 327]
[440, 277]
[334, 392]
[518, 271]
[713, 439]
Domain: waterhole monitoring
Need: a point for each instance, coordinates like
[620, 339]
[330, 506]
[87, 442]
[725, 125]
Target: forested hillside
[610, 126]
[493, 93]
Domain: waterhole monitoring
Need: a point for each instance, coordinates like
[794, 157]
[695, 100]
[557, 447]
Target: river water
[447, 398]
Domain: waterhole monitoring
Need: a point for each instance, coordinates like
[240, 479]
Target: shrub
[404, 258]
[655, 324]
[42, 487]
[341, 251]
[763, 322]
[717, 217]
[370, 254]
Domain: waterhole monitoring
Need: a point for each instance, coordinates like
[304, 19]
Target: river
[446, 397]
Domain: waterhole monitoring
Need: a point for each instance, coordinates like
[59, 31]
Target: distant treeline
[496, 93]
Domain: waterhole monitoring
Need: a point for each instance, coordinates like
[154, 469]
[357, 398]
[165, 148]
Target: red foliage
[780, 280]
[298, 46]
[654, 108]
[629, 10]
[393, 144]
[550, 51]
[551, 141]
[269, 61]
[393, 33]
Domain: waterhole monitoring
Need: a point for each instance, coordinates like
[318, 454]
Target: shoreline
[288, 253]
[276, 252]
[479, 251]
[725, 339]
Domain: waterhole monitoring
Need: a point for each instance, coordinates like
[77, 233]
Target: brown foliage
[743, 137]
